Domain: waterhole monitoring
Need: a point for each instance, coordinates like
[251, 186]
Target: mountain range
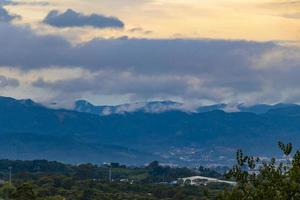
[29, 130]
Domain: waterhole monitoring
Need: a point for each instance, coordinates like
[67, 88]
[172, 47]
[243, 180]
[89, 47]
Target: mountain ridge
[36, 132]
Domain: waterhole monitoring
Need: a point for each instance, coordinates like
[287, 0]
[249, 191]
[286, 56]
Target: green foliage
[265, 180]
[7, 191]
[286, 149]
[41, 180]
[24, 192]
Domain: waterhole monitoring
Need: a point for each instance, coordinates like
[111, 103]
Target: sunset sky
[261, 20]
[120, 51]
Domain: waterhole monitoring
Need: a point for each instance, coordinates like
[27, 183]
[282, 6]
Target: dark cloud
[28, 51]
[5, 16]
[8, 82]
[71, 18]
[120, 83]
[140, 30]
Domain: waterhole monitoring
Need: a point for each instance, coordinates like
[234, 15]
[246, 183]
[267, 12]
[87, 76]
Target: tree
[7, 191]
[274, 181]
[153, 165]
[25, 192]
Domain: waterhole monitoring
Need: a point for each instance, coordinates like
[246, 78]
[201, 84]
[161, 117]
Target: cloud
[31, 3]
[253, 76]
[292, 15]
[121, 83]
[284, 8]
[8, 82]
[136, 29]
[206, 70]
[141, 86]
[5, 16]
[71, 18]
[140, 30]
[283, 3]
[27, 50]
[287, 2]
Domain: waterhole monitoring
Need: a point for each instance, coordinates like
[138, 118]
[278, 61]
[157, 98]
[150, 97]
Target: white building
[201, 180]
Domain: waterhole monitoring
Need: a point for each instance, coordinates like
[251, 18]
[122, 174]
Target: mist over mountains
[164, 106]
[147, 107]
[152, 131]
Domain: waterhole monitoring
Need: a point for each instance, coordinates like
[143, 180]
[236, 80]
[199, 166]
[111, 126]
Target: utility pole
[109, 175]
[10, 175]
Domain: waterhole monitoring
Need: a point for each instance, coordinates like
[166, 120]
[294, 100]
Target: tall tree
[265, 180]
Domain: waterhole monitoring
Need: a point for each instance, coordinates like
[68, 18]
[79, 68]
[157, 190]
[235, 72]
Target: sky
[122, 51]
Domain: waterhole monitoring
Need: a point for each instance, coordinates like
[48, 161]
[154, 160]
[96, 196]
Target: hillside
[31, 131]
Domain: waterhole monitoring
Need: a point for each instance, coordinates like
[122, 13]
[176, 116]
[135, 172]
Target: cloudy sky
[120, 51]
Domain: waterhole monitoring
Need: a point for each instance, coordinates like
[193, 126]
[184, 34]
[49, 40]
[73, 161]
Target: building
[201, 180]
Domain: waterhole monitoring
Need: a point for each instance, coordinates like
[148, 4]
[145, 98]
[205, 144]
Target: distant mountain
[149, 107]
[263, 108]
[257, 109]
[30, 131]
